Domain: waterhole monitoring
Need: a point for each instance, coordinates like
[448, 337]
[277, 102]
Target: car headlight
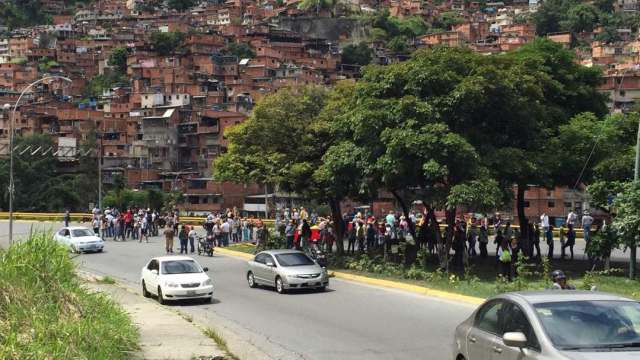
[171, 284]
[207, 282]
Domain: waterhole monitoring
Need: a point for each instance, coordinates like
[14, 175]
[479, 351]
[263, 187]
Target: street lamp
[11, 140]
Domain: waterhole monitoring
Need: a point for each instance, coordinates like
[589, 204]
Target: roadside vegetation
[45, 313]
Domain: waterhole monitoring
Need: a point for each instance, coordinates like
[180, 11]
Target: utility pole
[636, 173]
[11, 184]
[100, 175]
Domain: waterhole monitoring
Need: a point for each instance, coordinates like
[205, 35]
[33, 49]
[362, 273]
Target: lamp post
[11, 140]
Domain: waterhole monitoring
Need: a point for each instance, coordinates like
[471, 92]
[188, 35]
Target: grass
[220, 341]
[106, 280]
[481, 280]
[243, 247]
[45, 313]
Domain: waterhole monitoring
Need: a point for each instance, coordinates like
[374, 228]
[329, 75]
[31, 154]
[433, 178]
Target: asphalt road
[349, 321]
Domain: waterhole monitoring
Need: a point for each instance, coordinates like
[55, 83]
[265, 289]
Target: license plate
[191, 292]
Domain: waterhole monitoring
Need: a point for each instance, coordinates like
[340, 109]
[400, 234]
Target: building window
[623, 93]
[567, 205]
[526, 204]
[551, 204]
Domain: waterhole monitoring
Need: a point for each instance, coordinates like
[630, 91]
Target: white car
[79, 239]
[176, 278]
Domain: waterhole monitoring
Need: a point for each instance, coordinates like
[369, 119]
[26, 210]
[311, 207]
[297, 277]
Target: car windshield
[294, 259]
[576, 325]
[81, 232]
[180, 267]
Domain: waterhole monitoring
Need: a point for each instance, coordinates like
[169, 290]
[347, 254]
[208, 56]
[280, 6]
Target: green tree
[241, 50]
[118, 59]
[181, 5]
[282, 144]
[448, 20]
[38, 187]
[627, 220]
[357, 54]
[550, 14]
[166, 43]
[398, 45]
[580, 18]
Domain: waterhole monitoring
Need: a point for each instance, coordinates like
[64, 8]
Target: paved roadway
[349, 321]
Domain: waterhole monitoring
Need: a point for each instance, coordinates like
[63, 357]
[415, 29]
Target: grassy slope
[46, 313]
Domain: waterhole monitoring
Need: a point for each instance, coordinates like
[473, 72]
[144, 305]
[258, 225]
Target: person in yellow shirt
[303, 214]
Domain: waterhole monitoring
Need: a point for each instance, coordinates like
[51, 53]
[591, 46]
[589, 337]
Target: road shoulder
[164, 334]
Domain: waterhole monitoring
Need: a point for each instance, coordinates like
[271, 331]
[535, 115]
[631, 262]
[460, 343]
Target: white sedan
[79, 239]
[176, 278]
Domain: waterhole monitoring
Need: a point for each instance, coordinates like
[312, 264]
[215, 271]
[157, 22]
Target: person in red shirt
[128, 223]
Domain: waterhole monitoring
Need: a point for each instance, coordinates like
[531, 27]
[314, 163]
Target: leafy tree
[627, 221]
[49, 192]
[605, 6]
[109, 79]
[608, 35]
[398, 45]
[181, 5]
[550, 14]
[580, 18]
[448, 19]
[359, 54]
[241, 50]
[166, 43]
[118, 59]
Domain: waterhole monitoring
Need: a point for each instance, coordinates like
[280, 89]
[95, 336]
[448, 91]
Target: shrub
[46, 313]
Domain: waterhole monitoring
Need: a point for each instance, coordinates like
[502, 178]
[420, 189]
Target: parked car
[176, 278]
[285, 270]
[79, 239]
[551, 325]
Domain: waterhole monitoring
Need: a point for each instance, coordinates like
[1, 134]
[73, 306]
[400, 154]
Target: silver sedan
[551, 325]
[286, 269]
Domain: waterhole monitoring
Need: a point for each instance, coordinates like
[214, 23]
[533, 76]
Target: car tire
[251, 280]
[100, 250]
[322, 289]
[209, 300]
[161, 299]
[280, 286]
[145, 293]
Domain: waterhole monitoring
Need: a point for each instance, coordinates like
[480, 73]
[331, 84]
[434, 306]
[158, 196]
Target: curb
[416, 289]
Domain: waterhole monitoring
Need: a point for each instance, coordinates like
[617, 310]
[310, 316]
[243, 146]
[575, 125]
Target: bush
[45, 313]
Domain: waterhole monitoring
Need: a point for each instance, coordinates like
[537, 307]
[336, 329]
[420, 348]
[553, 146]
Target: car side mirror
[514, 339]
[205, 269]
[270, 264]
[154, 272]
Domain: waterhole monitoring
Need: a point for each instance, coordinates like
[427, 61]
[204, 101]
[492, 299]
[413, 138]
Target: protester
[560, 281]
[571, 240]
[587, 222]
[169, 234]
[192, 238]
[504, 258]
[183, 236]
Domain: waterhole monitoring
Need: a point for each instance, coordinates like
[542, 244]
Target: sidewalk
[163, 334]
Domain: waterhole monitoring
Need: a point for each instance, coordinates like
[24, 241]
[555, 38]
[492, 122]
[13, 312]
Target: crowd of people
[301, 229]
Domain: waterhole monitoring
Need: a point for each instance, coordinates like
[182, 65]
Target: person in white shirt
[192, 238]
[225, 228]
[544, 222]
[587, 221]
[572, 218]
